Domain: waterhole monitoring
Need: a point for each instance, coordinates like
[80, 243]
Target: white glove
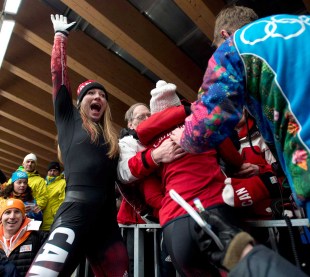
[60, 24]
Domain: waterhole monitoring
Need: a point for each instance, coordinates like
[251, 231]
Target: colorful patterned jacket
[264, 66]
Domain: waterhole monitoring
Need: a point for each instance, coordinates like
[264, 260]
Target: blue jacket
[265, 66]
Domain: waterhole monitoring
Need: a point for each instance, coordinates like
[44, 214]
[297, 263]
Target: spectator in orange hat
[20, 237]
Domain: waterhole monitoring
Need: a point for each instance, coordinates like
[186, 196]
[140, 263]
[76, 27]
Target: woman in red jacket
[191, 176]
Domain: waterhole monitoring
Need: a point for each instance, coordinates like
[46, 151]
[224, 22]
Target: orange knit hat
[10, 203]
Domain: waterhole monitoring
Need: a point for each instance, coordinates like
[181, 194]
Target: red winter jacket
[127, 215]
[194, 175]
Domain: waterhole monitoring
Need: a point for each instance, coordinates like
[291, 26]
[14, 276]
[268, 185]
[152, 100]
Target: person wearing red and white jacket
[192, 176]
[137, 162]
[256, 184]
[133, 203]
[141, 197]
[262, 159]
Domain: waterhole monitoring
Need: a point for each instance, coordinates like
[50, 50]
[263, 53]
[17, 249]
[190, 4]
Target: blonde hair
[58, 150]
[231, 19]
[59, 154]
[104, 127]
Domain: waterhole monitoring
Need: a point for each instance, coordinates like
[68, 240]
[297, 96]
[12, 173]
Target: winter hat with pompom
[163, 96]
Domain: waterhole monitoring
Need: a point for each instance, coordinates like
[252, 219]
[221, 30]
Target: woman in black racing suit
[89, 149]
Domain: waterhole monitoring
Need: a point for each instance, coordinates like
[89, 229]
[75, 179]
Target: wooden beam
[26, 105]
[27, 76]
[147, 45]
[307, 5]
[200, 14]
[27, 124]
[19, 147]
[8, 170]
[72, 63]
[25, 138]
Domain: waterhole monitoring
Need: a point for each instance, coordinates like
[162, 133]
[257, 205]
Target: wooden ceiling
[26, 111]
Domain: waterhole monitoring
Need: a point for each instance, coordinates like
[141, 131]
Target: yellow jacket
[56, 194]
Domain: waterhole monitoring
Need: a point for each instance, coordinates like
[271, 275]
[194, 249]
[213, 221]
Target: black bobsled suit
[90, 194]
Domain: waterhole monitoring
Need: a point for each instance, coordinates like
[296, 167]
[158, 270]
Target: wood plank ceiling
[122, 44]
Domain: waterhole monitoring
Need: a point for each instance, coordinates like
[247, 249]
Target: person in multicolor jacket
[264, 66]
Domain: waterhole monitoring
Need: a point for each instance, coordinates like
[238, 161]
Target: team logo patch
[25, 248]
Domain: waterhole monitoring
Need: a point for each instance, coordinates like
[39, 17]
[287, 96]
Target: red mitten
[244, 192]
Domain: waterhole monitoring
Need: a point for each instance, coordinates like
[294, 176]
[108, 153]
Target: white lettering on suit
[52, 253]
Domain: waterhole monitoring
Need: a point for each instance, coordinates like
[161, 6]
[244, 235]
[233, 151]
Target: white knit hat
[31, 156]
[163, 97]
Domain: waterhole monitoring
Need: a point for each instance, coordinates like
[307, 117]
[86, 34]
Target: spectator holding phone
[20, 189]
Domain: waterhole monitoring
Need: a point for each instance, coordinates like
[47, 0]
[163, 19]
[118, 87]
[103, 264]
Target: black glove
[233, 239]
[60, 24]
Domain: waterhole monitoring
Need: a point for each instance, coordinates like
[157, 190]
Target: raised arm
[59, 56]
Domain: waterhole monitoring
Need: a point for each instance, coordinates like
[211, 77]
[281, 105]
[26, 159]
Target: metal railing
[84, 270]
[139, 230]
